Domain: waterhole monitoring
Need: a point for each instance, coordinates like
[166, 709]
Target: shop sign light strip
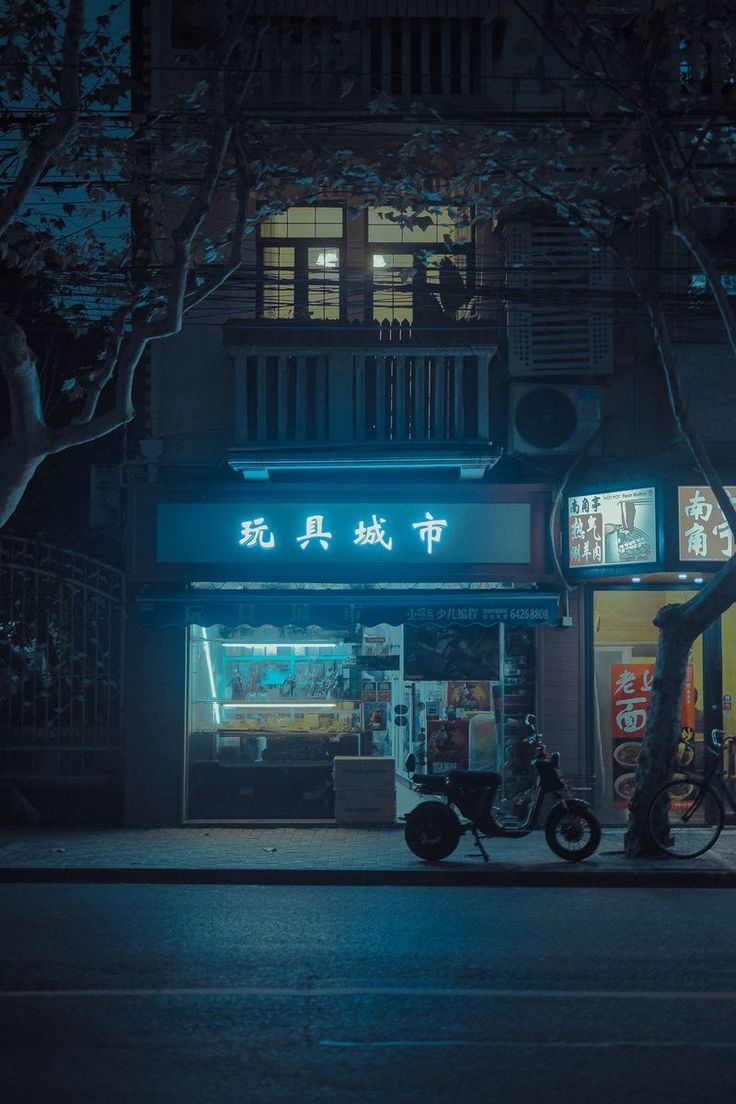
[278, 644]
[285, 706]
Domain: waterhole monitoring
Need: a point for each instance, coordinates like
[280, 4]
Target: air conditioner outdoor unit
[551, 419]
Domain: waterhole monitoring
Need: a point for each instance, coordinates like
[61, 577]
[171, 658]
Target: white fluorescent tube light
[286, 706]
[278, 644]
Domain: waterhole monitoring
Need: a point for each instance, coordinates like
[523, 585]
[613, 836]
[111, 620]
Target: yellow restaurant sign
[703, 532]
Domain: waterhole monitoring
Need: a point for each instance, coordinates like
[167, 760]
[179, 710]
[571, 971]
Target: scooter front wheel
[432, 831]
[572, 831]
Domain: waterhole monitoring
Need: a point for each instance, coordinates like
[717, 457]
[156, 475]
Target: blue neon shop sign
[345, 533]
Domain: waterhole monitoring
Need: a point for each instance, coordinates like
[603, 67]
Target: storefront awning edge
[341, 609]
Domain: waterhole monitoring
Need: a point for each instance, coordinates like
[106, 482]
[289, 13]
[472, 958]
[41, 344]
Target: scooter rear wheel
[432, 831]
[572, 831]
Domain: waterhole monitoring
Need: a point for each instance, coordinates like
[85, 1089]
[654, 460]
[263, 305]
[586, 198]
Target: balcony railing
[367, 386]
[448, 52]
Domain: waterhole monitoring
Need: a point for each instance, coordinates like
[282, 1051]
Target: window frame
[301, 246]
[411, 249]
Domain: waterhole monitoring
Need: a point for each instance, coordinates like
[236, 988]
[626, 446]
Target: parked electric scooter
[433, 829]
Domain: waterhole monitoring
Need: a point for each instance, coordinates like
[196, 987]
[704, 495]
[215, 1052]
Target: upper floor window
[420, 266]
[301, 254]
[305, 222]
[707, 58]
[407, 266]
[699, 284]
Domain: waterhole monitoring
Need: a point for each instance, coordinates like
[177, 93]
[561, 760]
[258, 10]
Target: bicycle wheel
[685, 818]
[432, 831]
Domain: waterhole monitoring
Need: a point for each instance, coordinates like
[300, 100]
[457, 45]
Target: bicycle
[687, 814]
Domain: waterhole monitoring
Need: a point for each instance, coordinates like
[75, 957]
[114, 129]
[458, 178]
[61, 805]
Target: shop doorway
[624, 649]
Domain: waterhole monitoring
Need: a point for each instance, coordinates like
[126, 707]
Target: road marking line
[510, 1044]
[383, 991]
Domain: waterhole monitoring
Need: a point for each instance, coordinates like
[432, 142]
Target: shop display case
[265, 723]
[276, 703]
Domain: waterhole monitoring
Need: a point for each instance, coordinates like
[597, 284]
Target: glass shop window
[728, 694]
[625, 645]
[269, 709]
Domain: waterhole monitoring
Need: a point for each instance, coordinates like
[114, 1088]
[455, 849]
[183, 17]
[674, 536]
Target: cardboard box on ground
[365, 789]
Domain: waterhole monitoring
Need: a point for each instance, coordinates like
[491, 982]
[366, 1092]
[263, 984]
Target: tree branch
[227, 116]
[664, 346]
[125, 351]
[668, 361]
[47, 143]
[575, 66]
[82, 433]
[18, 365]
[718, 595]
[232, 263]
[105, 374]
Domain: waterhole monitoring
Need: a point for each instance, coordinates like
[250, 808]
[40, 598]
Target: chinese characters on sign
[530, 613]
[586, 537]
[373, 534]
[314, 532]
[704, 533]
[612, 527]
[256, 533]
[430, 531]
[631, 691]
[317, 534]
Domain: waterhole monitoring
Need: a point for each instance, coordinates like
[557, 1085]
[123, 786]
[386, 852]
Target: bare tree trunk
[16, 472]
[679, 627]
[659, 746]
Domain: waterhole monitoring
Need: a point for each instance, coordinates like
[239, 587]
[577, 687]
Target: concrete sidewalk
[329, 855]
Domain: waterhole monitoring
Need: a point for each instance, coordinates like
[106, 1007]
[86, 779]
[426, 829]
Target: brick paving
[289, 853]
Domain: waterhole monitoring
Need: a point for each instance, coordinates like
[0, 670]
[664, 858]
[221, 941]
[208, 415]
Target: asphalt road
[290, 995]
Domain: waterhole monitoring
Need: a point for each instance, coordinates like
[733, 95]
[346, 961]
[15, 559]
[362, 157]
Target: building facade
[352, 524]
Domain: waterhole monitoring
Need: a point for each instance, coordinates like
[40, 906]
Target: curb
[497, 876]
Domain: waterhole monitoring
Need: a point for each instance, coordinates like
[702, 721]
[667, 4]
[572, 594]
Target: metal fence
[61, 648]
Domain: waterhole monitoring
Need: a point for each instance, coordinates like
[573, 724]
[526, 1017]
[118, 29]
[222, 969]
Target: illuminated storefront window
[625, 644]
[728, 694]
[270, 708]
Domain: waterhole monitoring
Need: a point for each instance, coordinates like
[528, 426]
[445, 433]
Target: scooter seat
[438, 780]
[475, 777]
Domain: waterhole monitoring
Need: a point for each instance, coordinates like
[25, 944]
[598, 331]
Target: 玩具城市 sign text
[308, 534]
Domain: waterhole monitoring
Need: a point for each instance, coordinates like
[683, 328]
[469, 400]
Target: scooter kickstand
[479, 844]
